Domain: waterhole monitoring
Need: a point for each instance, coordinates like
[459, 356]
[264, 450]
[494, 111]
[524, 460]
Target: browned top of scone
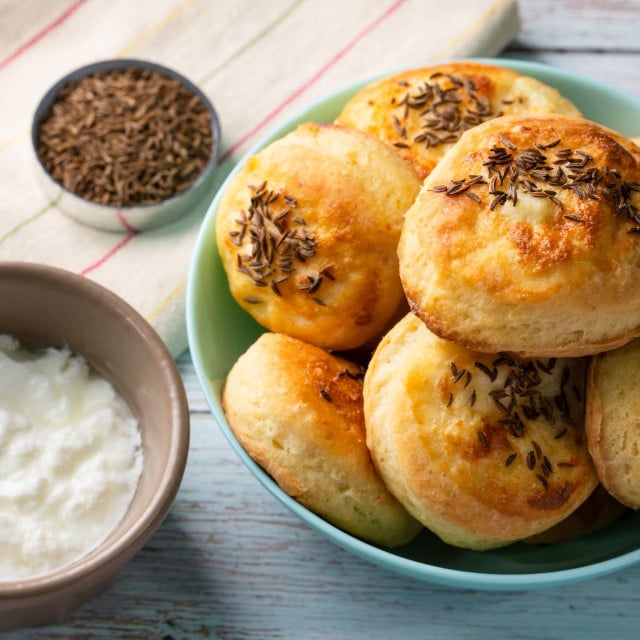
[297, 410]
[308, 230]
[535, 219]
[613, 431]
[422, 112]
[484, 449]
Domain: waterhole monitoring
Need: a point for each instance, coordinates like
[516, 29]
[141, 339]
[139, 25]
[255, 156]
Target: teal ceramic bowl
[220, 331]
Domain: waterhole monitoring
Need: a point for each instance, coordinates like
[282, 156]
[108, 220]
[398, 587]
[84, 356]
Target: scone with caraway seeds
[297, 411]
[484, 450]
[422, 112]
[308, 232]
[613, 421]
[526, 238]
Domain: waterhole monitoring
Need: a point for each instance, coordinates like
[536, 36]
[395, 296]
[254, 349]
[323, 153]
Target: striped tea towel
[257, 60]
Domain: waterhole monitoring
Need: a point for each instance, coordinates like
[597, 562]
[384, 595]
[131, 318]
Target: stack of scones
[449, 280]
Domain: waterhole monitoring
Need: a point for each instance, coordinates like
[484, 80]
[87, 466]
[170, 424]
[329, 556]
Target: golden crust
[297, 410]
[550, 266]
[409, 105]
[613, 421]
[479, 468]
[598, 512]
[328, 274]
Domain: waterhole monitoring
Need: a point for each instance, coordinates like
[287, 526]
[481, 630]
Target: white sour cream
[70, 459]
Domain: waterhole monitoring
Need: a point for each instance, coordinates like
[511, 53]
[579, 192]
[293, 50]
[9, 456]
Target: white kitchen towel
[258, 61]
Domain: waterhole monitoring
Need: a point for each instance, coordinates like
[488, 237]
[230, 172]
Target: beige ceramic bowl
[45, 306]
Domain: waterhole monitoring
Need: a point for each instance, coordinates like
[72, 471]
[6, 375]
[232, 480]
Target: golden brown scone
[636, 141]
[308, 232]
[297, 410]
[481, 449]
[422, 112]
[613, 421]
[525, 238]
[598, 512]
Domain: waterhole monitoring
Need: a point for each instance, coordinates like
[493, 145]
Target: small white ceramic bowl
[113, 218]
[46, 306]
[220, 331]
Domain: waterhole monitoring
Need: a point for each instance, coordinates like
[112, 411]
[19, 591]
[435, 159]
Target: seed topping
[273, 241]
[447, 106]
[125, 137]
[542, 173]
[518, 396]
[358, 375]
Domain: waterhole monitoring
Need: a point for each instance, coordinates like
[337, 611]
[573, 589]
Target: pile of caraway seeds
[125, 137]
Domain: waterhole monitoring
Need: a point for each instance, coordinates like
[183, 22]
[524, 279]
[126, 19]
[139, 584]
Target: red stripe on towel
[269, 118]
[123, 243]
[300, 90]
[42, 33]
[125, 223]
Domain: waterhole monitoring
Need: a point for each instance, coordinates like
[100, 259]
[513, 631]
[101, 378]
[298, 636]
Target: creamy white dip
[70, 459]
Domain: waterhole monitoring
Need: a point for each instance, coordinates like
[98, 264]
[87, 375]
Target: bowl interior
[44, 306]
[220, 331]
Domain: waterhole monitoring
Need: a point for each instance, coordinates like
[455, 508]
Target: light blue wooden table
[231, 562]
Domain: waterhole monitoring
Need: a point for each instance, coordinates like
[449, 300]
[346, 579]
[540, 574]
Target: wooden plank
[583, 25]
[621, 70]
[231, 562]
